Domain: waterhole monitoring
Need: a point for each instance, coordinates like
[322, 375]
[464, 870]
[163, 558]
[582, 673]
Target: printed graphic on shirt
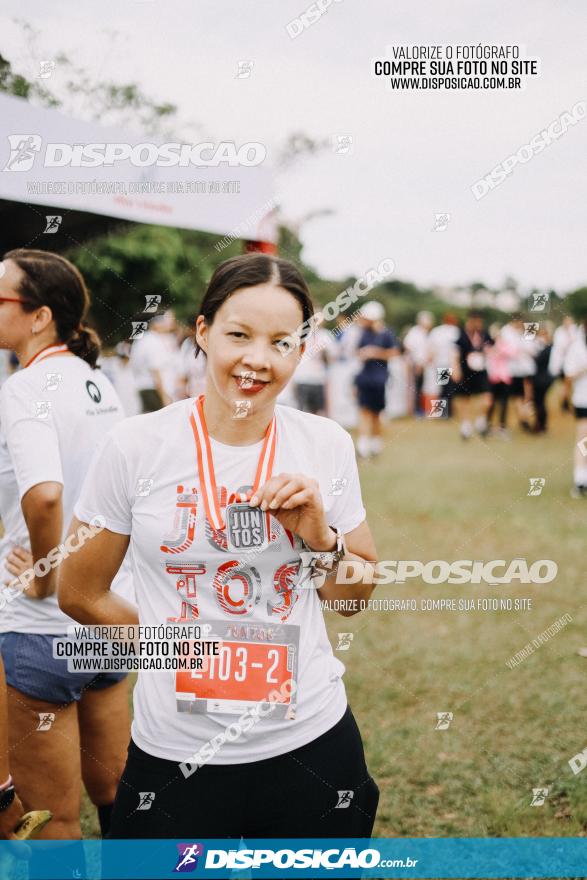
[264, 657]
[236, 582]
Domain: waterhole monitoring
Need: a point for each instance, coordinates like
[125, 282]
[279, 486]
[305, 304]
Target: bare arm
[360, 547]
[375, 353]
[43, 512]
[85, 578]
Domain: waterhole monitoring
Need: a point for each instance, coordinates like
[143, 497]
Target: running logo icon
[540, 302]
[530, 330]
[188, 854]
[338, 485]
[241, 409]
[344, 641]
[46, 719]
[53, 223]
[437, 408]
[144, 486]
[52, 381]
[146, 799]
[244, 69]
[344, 800]
[42, 409]
[343, 144]
[443, 720]
[441, 222]
[539, 795]
[23, 151]
[46, 68]
[247, 379]
[138, 328]
[443, 375]
[152, 302]
[537, 484]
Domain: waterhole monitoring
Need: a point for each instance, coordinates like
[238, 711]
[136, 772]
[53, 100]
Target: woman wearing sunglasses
[260, 742]
[63, 726]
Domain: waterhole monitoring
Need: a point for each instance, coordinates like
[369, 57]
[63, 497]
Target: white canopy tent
[39, 178]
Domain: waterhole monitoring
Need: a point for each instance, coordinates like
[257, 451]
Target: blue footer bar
[387, 858]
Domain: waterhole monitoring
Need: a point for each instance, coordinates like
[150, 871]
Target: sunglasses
[11, 299]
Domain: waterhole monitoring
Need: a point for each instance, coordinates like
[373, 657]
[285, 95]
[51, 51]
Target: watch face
[246, 527]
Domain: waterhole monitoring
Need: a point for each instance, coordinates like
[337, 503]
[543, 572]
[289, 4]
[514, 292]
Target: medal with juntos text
[246, 527]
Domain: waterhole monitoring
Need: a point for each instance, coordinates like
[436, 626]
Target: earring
[33, 331]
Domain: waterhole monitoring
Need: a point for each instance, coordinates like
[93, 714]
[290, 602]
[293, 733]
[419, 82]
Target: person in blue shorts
[376, 345]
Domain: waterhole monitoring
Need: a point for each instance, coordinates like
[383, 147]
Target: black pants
[292, 795]
[501, 398]
[541, 387]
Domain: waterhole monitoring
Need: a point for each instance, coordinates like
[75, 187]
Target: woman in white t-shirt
[575, 369]
[260, 742]
[64, 726]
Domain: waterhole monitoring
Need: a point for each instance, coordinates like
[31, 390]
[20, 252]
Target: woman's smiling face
[244, 359]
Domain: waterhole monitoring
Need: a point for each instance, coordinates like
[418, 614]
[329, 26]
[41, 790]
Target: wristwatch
[320, 564]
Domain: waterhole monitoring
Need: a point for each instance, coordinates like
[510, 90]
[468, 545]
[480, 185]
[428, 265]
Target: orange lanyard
[206, 464]
[47, 352]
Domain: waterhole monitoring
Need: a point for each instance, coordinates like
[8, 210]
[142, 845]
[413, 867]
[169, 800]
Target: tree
[575, 303]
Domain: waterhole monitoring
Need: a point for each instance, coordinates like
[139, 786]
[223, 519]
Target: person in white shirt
[154, 362]
[118, 369]
[416, 347]
[247, 498]
[575, 368]
[522, 367]
[191, 371]
[563, 338]
[442, 354]
[310, 377]
[53, 412]
[342, 369]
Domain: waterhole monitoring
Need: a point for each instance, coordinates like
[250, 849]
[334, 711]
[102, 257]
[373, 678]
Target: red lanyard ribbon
[206, 464]
[48, 351]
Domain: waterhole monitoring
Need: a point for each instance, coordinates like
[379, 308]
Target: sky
[414, 154]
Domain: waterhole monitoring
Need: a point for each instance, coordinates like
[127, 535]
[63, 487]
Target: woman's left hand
[295, 500]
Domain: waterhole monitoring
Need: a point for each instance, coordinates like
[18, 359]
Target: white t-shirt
[416, 344]
[575, 361]
[120, 373]
[192, 368]
[522, 363]
[52, 415]
[312, 369]
[442, 350]
[563, 338]
[442, 346]
[260, 599]
[155, 351]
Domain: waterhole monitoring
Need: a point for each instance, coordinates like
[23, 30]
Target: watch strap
[6, 797]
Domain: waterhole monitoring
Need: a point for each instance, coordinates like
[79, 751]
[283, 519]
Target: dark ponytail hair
[248, 270]
[51, 280]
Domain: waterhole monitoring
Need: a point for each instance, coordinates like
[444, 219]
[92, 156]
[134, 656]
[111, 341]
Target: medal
[246, 527]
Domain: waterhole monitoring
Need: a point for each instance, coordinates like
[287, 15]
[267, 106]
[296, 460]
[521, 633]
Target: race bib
[256, 663]
[246, 527]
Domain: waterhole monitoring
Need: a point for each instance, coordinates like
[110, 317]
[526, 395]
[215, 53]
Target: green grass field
[432, 496]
